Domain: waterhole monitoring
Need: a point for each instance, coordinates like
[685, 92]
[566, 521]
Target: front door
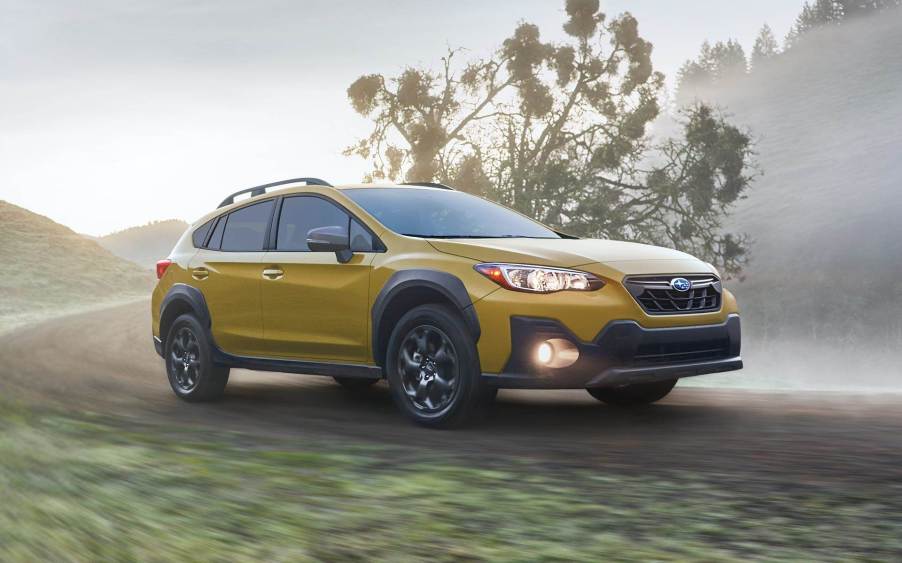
[227, 272]
[314, 307]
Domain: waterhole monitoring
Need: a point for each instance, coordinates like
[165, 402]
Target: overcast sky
[118, 112]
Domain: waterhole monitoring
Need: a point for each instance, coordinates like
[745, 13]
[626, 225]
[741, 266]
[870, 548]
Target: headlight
[538, 279]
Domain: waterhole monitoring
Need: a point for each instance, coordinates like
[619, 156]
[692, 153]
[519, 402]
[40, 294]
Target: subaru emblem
[680, 284]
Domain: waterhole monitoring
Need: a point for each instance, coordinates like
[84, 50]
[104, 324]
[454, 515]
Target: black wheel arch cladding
[407, 282]
[182, 298]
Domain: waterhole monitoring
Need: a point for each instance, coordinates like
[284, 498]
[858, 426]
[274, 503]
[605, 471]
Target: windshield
[438, 213]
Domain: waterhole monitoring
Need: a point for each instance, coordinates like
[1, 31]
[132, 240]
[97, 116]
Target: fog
[113, 114]
[822, 297]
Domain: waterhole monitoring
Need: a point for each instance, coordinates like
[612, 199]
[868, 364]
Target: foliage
[723, 62]
[820, 13]
[559, 132]
[765, 48]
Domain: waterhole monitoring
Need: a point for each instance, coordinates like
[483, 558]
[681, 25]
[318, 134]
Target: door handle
[200, 273]
[273, 273]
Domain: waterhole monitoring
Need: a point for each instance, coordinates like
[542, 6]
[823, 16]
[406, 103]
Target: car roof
[320, 189]
[372, 185]
[406, 186]
[341, 187]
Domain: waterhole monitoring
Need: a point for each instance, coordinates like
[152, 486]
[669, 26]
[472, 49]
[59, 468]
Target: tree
[559, 132]
[695, 77]
[833, 12]
[854, 8]
[715, 65]
[765, 48]
[813, 16]
[729, 60]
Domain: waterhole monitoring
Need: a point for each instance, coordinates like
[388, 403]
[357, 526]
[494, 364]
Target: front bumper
[623, 353]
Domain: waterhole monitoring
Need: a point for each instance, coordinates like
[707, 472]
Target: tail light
[162, 266]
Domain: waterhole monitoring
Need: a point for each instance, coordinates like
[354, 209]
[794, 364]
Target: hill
[826, 270]
[49, 268]
[827, 117]
[146, 244]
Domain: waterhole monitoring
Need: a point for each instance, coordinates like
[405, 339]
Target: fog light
[545, 353]
[557, 353]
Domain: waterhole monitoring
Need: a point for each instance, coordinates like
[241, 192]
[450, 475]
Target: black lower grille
[678, 352]
[657, 295]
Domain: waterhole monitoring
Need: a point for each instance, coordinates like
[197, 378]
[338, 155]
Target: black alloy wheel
[192, 373]
[184, 359]
[433, 368]
[428, 366]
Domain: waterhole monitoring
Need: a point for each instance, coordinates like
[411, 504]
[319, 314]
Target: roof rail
[428, 185]
[260, 190]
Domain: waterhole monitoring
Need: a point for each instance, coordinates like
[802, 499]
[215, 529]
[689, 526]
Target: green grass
[87, 489]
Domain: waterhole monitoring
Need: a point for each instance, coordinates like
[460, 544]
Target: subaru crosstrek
[446, 295]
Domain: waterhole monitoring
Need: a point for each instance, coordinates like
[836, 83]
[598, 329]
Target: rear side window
[300, 215]
[245, 229]
[216, 237]
[200, 235]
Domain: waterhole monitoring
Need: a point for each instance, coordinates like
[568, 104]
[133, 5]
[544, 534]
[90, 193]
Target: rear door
[313, 306]
[227, 272]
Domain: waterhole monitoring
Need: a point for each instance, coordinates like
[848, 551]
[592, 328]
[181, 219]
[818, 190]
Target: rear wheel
[636, 394]
[189, 362]
[433, 368]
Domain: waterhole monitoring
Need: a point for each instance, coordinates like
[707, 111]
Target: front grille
[656, 296]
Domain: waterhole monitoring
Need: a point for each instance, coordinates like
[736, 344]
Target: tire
[355, 383]
[442, 387]
[632, 395]
[189, 362]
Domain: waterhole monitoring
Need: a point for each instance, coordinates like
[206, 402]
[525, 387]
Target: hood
[624, 257]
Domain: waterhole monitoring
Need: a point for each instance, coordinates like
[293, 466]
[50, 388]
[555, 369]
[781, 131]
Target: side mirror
[331, 239]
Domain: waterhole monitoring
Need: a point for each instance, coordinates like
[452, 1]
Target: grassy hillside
[824, 217]
[146, 244]
[48, 268]
[825, 282]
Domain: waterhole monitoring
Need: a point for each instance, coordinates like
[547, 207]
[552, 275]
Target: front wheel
[433, 368]
[189, 362]
[636, 394]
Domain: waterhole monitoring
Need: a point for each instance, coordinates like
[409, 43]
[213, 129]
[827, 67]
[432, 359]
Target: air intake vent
[659, 295]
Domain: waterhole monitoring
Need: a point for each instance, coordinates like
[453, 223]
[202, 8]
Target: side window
[300, 214]
[245, 229]
[361, 239]
[216, 238]
[200, 234]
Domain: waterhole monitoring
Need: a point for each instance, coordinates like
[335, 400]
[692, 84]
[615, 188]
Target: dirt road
[104, 362]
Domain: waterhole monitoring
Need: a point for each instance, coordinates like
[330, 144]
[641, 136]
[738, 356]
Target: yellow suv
[446, 295]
